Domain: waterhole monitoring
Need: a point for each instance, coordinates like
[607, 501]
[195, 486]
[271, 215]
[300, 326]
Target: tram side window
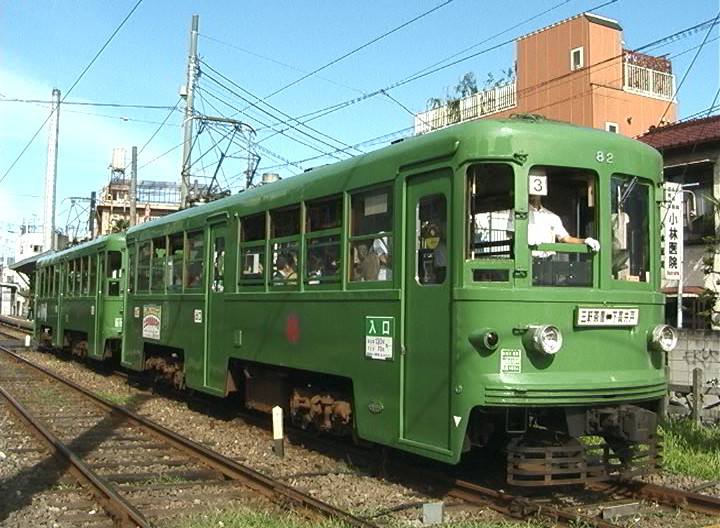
[285, 243]
[218, 257]
[490, 205]
[431, 244]
[78, 277]
[68, 277]
[57, 285]
[176, 244]
[195, 265]
[85, 272]
[132, 267]
[323, 230]
[157, 276]
[114, 272]
[143, 268]
[629, 220]
[93, 274]
[252, 250]
[371, 241]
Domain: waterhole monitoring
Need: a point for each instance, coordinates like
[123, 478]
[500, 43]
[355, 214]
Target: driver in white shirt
[544, 226]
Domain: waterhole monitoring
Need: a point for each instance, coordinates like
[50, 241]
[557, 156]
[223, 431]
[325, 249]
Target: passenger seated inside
[373, 261]
[285, 269]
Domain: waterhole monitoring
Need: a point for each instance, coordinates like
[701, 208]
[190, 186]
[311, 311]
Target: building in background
[17, 245]
[154, 199]
[574, 71]
[691, 157]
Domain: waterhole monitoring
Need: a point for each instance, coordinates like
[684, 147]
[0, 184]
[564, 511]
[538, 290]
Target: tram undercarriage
[572, 445]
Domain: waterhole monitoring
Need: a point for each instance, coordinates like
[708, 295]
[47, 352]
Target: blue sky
[261, 47]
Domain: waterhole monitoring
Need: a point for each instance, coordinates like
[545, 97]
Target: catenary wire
[692, 63]
[97, 55]
[352, 52]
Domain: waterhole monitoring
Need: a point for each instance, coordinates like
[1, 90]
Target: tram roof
[81, 248]
[488, 134]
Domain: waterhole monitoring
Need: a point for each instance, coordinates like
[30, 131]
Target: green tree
[120, 225]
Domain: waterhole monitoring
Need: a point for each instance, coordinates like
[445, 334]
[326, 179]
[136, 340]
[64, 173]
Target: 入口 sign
[379, 334]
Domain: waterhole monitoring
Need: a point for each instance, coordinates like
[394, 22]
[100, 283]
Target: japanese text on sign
[379, 333]
[510, 361]
[672, 230]
[607, 316]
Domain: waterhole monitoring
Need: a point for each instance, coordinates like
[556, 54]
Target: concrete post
[697, 396]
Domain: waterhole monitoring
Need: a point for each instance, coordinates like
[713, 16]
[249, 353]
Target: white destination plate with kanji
[607, 316]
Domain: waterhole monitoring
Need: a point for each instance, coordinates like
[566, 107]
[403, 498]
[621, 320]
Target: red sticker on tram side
[292, 328]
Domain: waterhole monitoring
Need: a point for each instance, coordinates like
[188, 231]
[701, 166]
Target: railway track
[13, 328]
[512, 502]
[591, 506]
[141, 473]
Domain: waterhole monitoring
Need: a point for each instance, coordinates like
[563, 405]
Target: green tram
[412, 297]
[80, 298]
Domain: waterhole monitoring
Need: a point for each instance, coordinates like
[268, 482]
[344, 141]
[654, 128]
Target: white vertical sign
[672, 217]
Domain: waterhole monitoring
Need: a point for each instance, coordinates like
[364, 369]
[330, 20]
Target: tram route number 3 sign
[379, 335]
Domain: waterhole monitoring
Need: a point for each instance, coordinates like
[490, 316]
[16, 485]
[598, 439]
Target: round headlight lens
[547, 339]
[664, 337]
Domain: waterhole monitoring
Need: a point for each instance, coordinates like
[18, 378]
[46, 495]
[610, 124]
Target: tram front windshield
[561, 215]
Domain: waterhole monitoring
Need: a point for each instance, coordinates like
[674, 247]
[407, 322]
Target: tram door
[426, 363]
[214, 319]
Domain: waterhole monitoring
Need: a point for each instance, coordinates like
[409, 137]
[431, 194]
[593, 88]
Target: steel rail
[688, 500]
[228, 467]
[520, 507]
[117, 507]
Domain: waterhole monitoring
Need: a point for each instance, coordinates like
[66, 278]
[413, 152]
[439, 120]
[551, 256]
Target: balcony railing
[475, 106]
[645, 81]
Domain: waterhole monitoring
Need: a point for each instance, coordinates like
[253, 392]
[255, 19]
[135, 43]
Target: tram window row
[79, 277]
[278, 248]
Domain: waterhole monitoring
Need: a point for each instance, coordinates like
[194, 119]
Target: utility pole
[189, 89]
[133, 187]
[49, 242]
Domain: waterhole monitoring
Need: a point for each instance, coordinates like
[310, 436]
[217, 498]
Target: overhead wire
[277, 61]
[277, 131]
[692, 63]
[172, 110]
[359, 48]
[268, 113]
[87, 103]
[69, 91]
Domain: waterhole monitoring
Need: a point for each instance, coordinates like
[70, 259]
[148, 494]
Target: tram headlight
[485, 339]
[546, 339]
[663, 337]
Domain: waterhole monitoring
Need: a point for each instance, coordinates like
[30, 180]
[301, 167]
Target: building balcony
[475, 106]
[648, 76]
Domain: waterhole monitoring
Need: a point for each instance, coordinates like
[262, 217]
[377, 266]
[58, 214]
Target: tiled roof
[680, 134]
